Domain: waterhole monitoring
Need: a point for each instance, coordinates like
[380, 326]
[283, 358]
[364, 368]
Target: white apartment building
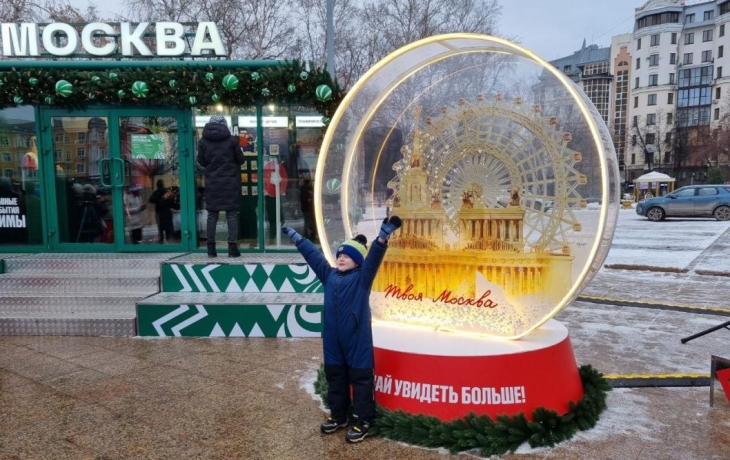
[678, 53]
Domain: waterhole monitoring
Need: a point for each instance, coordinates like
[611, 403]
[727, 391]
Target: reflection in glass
[292, 137]
[83, 179]
[20, 194]
[149, 150]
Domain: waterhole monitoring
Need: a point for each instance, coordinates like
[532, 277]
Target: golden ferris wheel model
[500, 154]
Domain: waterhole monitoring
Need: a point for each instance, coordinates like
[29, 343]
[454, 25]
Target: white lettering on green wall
[98, 39]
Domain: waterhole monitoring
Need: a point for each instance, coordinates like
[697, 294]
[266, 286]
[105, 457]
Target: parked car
[691, 201]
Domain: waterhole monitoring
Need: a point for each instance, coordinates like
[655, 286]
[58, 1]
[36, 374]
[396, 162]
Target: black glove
[389, 226]
[291, 233]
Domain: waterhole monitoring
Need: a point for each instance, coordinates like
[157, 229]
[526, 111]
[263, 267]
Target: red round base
[448, 375]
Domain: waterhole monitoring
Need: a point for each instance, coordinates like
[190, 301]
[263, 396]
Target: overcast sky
[555, 29]
[552, 29]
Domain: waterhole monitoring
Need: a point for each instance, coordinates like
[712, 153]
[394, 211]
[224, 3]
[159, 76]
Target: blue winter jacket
[347, 335]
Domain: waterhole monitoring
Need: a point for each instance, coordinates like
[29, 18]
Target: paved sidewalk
[130, 398]
[115, 398]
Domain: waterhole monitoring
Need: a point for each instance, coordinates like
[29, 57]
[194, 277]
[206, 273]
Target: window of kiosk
[20, 191]
[291, 140]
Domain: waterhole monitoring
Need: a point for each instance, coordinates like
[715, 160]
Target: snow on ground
[623, 404]
[671, 243]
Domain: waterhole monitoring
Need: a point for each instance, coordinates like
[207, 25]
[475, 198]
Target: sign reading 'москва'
[102, 39]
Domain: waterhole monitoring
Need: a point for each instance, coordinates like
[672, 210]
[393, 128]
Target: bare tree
[352, 58]
[47, 10]
[656, 140]
[168, 10]
[270, 33]
[692, 146]
[17, 11]
[395, 23]
[250, 29]
[366, 34]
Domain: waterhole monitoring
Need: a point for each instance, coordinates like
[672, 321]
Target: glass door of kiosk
[116, 178]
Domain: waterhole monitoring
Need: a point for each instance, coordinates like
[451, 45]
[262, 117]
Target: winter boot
[233, 250]
[358, 432]
[211, 250]
[331, 425]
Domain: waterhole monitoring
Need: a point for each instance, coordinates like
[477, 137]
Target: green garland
[492, 437]
[174, 86]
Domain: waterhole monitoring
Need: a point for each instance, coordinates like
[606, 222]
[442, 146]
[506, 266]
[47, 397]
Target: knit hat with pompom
[356, 249]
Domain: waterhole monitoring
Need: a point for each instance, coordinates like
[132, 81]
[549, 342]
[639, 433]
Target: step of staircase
[186, 314]
[141, 283]
[251, 273]
[76, 294]
[87, 263]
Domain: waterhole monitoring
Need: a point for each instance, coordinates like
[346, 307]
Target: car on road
[690, 201]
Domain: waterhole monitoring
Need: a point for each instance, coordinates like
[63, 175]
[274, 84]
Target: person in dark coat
[306, 203]
[347, 334]
[164, 204]
[221, 156]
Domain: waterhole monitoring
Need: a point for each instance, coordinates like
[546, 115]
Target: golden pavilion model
[434, 255]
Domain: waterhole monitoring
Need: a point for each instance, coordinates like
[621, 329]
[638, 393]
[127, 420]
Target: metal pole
[706, 331]
[331, 38]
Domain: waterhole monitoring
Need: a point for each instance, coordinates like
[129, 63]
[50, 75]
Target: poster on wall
[276, 141]
[148, 146]
[11, 213]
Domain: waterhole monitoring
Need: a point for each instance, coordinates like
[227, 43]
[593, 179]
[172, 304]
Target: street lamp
[330, 38]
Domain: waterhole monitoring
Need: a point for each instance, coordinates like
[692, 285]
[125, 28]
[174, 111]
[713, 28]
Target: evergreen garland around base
[492, 437]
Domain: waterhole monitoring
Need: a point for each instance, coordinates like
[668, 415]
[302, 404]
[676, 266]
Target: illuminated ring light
[486, 140]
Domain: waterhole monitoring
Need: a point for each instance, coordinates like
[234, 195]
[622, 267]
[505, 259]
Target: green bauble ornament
[121, 93]
[95, 79]
[48, 100]
[304, 75]
[326, 121]
[32, 81]
[291, 88]
[64, 88]
[323, 93]
[215, 97]
[18, 100]
[255, 76]
[91, 95]
[209, 76]
[265, 92]
[230, 82]
[113, 76]
[140, 89]
[192, 100]
[333, 186]
[172, 83]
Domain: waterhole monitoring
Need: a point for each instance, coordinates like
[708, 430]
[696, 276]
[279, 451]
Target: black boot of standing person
[233, 250]
[211, 250]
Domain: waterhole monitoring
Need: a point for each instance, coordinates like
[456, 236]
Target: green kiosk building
[97, 118]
